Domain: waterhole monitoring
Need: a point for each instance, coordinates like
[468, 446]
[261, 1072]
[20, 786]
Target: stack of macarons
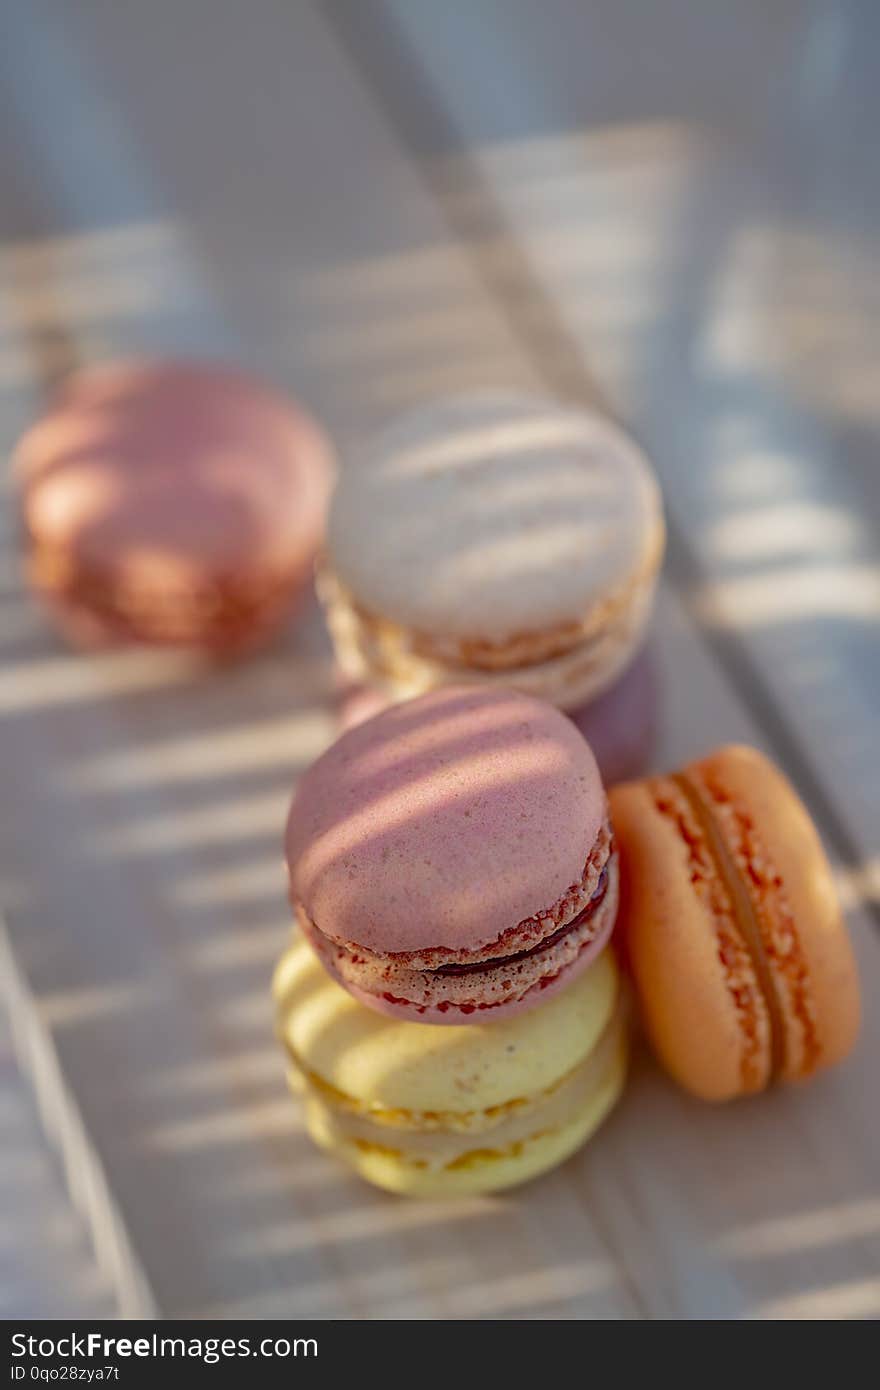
[491, 562]
[456, 1019]
[454, 861]
[505, 540]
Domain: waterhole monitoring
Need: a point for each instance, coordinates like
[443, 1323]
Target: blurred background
[669, 207]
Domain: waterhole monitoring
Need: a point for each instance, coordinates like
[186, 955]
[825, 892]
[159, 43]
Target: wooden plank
[46, 1265]
[139, 852]
[65, 1250]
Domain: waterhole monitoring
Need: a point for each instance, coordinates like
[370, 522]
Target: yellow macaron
[431, 1111]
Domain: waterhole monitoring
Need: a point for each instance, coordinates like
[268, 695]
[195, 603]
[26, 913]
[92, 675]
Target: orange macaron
[741, 960]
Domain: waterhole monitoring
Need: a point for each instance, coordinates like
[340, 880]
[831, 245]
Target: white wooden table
[671, 207]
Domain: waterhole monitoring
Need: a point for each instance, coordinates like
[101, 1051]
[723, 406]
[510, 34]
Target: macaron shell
[401, 1065]
[494, 514]
[784, 828]
[684, 998]
[444, 822]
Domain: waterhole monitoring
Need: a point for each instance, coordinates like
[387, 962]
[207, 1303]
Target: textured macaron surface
[443, 823]
[160, 473]
[493, 515]
[741, 959]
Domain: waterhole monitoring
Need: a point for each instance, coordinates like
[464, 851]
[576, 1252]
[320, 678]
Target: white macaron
[494, 537]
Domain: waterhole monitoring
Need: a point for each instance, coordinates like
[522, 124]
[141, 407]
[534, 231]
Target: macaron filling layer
[763, 962]
[552, 940]
[744, 914]
[537, 955]
[484, 653]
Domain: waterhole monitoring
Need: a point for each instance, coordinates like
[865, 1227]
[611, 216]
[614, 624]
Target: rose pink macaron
[172, 503]
[451, 859]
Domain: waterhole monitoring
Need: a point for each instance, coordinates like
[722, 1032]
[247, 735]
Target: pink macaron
[451, 859]
[172, 503]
